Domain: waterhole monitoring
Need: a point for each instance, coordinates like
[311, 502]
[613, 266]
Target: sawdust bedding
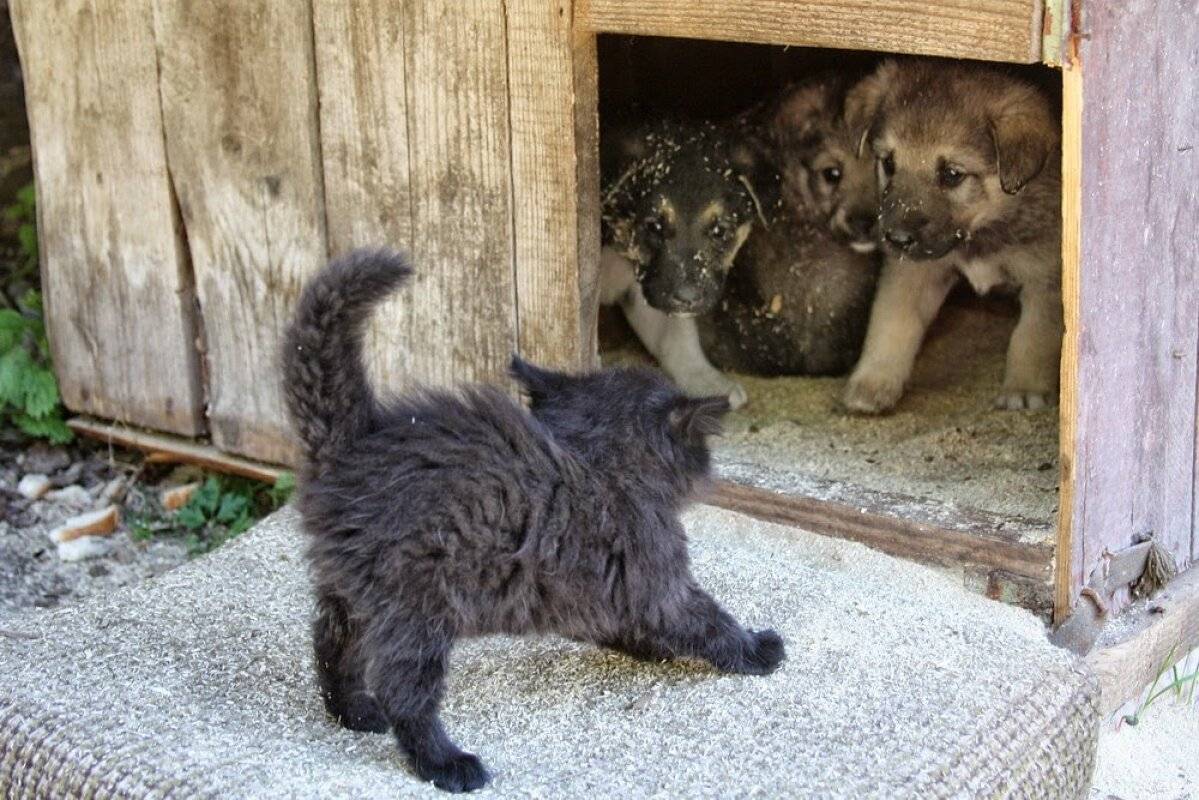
[944, 441]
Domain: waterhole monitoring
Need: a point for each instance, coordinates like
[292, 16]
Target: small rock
[176, 497]
[97, 523]
[83, 548]
[33, 486]
[97, 570]
[41, 457]
[68, 476]
[113, 491]
[74, 496]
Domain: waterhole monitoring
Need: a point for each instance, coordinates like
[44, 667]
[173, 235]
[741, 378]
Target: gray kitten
[441, 515]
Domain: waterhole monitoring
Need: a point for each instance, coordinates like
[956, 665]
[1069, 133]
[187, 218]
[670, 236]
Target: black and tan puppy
[970, 185]
[798, 299]
[677, 206]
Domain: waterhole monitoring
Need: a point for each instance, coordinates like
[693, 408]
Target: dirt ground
[84, 477]
[944, 441]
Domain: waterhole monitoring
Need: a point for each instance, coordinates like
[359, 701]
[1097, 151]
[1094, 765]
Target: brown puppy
[970, 185]
[798, 298]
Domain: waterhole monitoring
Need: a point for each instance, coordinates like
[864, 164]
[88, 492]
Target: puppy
[970, 185]
[798, 298]
[677, 206]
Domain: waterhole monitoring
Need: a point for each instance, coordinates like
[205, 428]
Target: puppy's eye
[888, 162]
[950, 177]
[831, 175]
[717, 231]
[654, 226]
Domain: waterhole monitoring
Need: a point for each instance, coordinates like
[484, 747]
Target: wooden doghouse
[195, 161]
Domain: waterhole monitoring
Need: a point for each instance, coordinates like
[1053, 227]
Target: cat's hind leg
[339, 668]
[407, 670]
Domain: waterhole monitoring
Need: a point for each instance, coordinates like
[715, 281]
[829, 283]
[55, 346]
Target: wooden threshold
[994, 30]
[1007, 558]
[174, 449]
[1165, 627]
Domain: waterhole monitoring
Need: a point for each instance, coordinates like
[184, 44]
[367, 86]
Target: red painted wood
[1139, 305]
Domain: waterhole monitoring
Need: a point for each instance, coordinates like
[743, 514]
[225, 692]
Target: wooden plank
[171, 449]
[1134, 460]
[1070, 570]
[995, 30]
[587, 170]
[363, 83]
[239, 105]
[1168, 623]
[555, 268]
[463, 319]
[115, 276]
[966, 544]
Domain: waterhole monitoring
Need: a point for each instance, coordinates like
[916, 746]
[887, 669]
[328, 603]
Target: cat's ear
[691, 419]
[538, 383]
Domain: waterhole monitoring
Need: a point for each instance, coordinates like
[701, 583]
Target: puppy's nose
[905, 234]
[901, 238]
[685, 294]
[861, 223]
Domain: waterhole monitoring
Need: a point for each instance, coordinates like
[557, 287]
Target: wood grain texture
[587, 170]
[551, 269]
[969, 542]
[239, 105]
[116, 281]
[363, 83]
[1134, 460]
[463, 319]
[1070, 571]
[996, 30]
[174, 450]
[1127, 667]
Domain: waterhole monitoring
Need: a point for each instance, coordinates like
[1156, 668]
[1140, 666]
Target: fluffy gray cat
[440, 515]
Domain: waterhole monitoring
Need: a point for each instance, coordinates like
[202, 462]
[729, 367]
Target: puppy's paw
[872, 393]
[462, 772]
[1018, 399]
[713, 384]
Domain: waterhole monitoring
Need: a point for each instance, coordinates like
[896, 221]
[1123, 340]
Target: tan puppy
[970, 185]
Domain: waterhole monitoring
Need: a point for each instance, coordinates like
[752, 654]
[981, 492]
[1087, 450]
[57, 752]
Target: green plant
[1177, 685]
[223, 508]
[28, 389]
[29, 396]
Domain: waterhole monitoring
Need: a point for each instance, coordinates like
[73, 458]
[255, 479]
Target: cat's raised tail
[325, 383]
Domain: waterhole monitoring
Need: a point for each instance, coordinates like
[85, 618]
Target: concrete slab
[899, 684]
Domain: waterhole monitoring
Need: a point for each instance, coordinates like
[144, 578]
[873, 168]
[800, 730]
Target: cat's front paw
[462, 772]
[872, 393]
[763, 654]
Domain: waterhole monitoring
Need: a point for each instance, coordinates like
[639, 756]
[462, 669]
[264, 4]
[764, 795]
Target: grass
[1177, 685]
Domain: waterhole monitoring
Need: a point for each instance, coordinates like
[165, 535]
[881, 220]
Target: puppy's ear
[1024, 136]
[865, 100]
[691, 419]
[799, 113]
[538, 383]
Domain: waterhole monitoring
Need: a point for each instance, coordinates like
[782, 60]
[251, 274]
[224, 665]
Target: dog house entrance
[945, 478]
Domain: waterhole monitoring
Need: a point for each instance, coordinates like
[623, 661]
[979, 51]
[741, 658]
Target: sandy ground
[944, 442]
[1157, 759]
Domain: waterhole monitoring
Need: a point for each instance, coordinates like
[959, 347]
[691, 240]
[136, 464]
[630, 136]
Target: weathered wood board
[239, 105]
[117, 287]
[555, 263]
[1135, 458]
[999, 30]
[463, 317]
[363, 82]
